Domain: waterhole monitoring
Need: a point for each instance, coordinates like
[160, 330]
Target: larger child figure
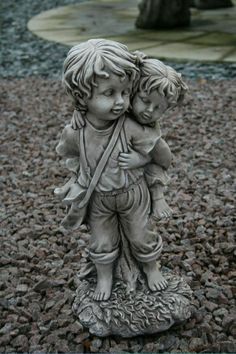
[100, 75]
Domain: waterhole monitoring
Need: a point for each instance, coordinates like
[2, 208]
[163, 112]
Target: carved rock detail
[134, 313]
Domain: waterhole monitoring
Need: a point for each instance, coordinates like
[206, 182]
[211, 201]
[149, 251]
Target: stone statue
[118, 162]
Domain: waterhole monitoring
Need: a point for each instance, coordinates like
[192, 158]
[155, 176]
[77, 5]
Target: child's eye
[108, 93]
[145, 100]
[127, 92]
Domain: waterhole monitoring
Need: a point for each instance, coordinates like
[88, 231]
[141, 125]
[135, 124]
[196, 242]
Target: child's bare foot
[103, 289]
[155, 279]
[104, 282]
[161, 209]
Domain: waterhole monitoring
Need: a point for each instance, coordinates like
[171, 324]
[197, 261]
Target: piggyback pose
[159, 89]
[100, 76]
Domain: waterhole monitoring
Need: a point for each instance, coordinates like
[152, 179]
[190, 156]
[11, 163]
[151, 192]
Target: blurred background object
[211, 4]
[173, 13]
[163, 14]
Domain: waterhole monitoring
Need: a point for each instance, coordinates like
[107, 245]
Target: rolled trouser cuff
[104, 258]
[156, 175]
[151, 256]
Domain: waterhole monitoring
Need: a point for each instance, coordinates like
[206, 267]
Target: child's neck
[98, 123]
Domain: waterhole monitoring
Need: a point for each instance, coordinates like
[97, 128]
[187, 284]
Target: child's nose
[150, 108]
[119, 99]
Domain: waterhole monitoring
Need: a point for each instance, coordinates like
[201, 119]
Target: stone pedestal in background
[163, 14]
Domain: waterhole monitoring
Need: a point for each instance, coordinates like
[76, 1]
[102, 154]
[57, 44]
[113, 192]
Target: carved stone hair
[95, 57]
[155, 75]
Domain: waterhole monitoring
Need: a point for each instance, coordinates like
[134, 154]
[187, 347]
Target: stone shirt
[142, 138]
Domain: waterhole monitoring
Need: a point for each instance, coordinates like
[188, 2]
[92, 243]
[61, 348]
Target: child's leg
[157, 179]
[155, 279]
[160, 208]
[104, 242]
[146, 245]
[104, 281]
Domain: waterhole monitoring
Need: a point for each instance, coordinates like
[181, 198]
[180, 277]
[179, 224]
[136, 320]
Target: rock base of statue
[132, 313]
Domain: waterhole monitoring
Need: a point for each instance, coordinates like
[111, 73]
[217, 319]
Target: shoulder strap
[125, 148]
[102, 163]
[83, 159]
[123, 140]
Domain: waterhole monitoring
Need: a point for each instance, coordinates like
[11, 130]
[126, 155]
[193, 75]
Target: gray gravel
[24, 54]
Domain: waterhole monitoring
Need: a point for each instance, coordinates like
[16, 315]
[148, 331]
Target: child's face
[148, 108]
[110, 99]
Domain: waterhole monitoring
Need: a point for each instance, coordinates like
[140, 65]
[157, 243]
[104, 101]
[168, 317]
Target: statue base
[128, 314]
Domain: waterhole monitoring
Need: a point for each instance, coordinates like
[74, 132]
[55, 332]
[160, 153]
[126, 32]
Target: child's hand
[77, 121]
[132, 159]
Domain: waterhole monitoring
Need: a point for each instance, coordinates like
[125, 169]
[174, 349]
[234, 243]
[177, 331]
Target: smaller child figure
[160, 89]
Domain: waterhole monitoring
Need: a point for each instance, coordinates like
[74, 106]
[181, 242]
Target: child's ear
[76, 93]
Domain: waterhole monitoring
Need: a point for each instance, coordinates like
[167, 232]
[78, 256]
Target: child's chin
[142, 121]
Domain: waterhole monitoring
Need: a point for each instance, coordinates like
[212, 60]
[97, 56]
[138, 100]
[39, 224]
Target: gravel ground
[39, 260]
[24, 54]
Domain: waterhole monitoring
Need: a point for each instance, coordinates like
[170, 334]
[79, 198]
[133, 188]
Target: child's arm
[161, 154]
[68, 145]
[132, 159]
[141, 140]
[68, 148]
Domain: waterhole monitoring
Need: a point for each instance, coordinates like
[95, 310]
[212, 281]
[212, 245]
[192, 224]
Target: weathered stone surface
[120, 315]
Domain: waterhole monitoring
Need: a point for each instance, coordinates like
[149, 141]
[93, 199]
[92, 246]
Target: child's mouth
[146, 116]
[117, 110]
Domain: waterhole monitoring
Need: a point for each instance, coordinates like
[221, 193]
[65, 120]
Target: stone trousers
[125, 211]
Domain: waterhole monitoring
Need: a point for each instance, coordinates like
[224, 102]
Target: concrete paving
[211, 36]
